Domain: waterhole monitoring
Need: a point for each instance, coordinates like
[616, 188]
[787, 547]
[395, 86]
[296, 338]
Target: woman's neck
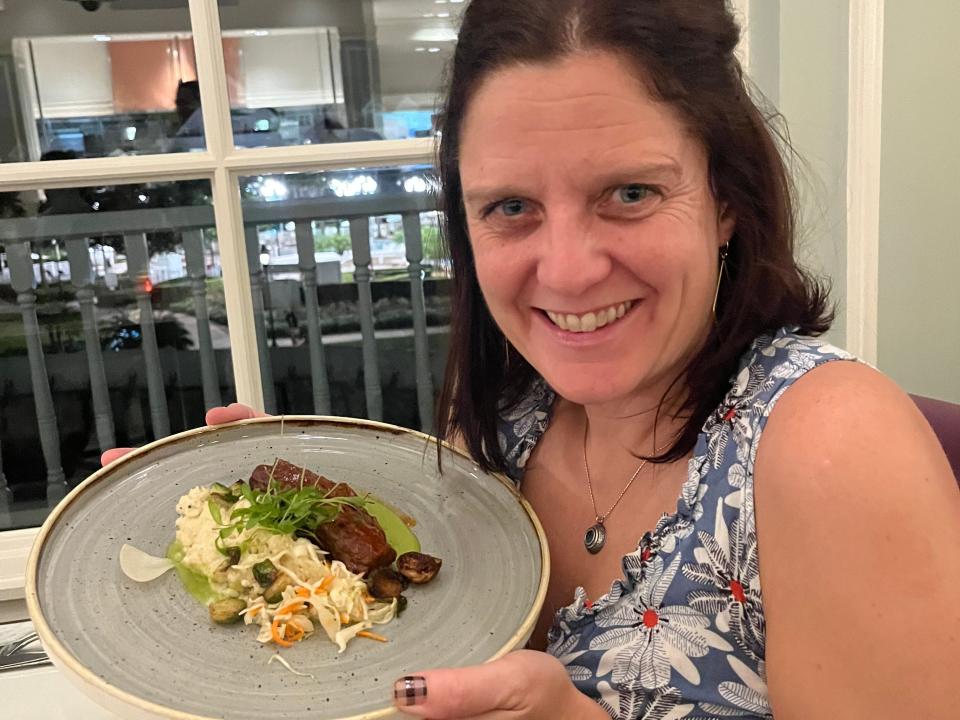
[642, 425]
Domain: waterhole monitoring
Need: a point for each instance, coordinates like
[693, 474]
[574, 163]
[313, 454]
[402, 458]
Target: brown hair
[686, 49]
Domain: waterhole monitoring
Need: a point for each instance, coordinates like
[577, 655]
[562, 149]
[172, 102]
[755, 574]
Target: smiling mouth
[591, 321]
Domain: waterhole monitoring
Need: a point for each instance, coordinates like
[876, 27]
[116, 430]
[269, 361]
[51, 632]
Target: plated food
[292, 552]
[150, 650]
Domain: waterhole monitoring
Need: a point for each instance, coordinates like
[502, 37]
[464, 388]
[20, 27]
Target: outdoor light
[357, 185]
[415, 184]
[435, 35]
[272, 189]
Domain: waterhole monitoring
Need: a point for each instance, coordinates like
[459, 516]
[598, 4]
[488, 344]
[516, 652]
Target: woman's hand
[524, 684]
[215, 416]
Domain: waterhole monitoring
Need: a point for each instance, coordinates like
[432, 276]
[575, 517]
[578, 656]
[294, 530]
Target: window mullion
[15, 177]
[211, 72]
[335, 156]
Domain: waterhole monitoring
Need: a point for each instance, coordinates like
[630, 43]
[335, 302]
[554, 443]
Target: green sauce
[399, 536]
[195, 583]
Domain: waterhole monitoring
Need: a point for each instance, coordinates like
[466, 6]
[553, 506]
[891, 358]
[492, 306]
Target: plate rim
[80, 673]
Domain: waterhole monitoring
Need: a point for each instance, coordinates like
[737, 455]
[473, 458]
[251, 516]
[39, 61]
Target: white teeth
[591, 321]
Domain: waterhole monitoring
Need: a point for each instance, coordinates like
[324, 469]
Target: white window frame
[222, 164]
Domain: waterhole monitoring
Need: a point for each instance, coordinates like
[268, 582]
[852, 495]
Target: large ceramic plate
[149, 650]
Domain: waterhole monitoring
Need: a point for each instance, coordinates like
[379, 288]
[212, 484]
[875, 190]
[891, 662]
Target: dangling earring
[724, 251]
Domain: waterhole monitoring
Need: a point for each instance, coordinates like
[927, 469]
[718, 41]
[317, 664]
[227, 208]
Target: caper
[265, 572]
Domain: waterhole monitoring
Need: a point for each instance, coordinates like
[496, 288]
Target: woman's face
[594, 230]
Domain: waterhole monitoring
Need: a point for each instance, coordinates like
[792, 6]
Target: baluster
[308, 277]
[138, 262]
[256, 288]
[6, 497]
[23, 281]
[360, 241]
[81, 274]
[413, 239]
[196, 270]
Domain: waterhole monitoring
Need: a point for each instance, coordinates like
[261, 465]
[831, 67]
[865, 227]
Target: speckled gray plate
[149, 650]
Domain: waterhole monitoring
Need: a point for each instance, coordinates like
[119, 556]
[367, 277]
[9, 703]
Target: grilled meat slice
[288, 475]
[354, 537]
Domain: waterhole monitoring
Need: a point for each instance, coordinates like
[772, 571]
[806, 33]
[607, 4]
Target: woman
[628, 320]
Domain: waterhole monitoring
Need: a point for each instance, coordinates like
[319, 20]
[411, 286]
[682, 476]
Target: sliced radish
[140, 566]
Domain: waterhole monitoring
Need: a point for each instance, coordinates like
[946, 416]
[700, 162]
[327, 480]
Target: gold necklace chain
[596, 535]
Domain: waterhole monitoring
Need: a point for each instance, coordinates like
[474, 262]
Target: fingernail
[410, 690]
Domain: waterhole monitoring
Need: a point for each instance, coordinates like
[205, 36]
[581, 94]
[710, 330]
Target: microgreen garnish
[287, 511]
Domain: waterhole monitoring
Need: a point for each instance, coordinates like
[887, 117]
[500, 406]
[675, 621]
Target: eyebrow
[667, 171]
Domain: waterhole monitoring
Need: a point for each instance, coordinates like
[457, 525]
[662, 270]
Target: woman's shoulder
[852, 493]
[785, 356]
[521, 425]
[771, 366]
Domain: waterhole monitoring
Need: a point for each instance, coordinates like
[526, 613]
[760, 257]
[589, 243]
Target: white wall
[813, 97]
[919, 313]
[798, 61]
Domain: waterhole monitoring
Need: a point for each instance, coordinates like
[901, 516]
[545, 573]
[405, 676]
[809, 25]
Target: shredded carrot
[369, 599]
[293, 633]
[302, 592]
[344, 618]
[372, 636]
[295, 606]
[275, 634]
[324, 584]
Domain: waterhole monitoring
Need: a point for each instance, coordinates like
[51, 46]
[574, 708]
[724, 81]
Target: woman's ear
[726, 224]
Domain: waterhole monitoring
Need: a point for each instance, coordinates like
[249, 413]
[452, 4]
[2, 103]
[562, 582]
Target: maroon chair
[944, 418]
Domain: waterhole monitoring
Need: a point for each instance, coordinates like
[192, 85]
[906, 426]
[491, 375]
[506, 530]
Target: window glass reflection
[122, 78]
[350, 291]
[336, 72]
[113, 330]
[95, 79]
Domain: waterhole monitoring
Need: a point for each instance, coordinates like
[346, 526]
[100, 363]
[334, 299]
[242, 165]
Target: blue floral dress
[681, 634]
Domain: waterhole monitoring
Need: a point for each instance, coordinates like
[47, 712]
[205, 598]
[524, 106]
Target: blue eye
[512, 208]
[632, 194]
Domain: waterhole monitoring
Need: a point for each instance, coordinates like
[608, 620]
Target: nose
[573, 258]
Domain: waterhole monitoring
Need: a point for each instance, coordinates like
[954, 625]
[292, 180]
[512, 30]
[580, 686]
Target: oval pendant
[595, 538]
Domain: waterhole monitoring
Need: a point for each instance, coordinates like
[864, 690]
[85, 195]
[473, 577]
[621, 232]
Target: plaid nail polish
[410, 690]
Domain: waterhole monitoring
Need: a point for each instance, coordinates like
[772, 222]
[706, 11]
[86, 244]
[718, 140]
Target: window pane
[319, 71]
[116, 78]
[112, 330]
[329, 256]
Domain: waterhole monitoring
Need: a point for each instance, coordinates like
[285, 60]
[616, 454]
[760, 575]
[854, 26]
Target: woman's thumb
[454, 693]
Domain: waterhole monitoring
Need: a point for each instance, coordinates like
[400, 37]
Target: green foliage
[337, 243]
[432, 242]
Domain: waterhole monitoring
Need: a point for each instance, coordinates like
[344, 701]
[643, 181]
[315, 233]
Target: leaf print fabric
[682, 633]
